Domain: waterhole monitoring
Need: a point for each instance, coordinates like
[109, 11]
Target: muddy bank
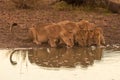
[109, 22]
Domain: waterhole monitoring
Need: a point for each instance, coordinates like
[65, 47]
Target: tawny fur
[89, 34]
[82, 37]
[38, 35]
[67, 32]
[98, 36]
[64, 30]
[68, 38]
[53, 33]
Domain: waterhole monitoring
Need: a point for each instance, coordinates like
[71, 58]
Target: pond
[60, 64]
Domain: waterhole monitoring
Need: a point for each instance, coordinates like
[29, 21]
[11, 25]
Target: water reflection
[20, 53]
[28, 64]
[58, 57]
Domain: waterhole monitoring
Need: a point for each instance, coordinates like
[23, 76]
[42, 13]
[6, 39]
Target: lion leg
[52, 42]
[98, 41]
[102, 40]
[34, 35]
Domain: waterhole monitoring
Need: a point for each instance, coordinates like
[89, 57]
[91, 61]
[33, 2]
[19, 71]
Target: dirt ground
[110, 22]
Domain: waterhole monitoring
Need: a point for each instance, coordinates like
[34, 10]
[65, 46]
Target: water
[60, 64]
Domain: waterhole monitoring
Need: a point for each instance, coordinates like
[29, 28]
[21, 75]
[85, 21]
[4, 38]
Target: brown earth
[110, 22]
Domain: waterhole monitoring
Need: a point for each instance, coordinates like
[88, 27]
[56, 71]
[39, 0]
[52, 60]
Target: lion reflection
[62, 57]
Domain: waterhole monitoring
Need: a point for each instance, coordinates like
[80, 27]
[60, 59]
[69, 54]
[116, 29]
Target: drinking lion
[89, 34]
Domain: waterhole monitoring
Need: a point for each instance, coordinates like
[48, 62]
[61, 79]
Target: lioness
[38, 35]
[71, 29]
[67, 37]
[64, 30]
[53, 32]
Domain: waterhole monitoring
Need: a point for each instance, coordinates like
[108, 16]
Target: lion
[98, 37]
[82, 36]
[95, 37]
[63, 31]
[94, 34]
[38, 35]
[67, 38]
[71, 29]
[53, 33]
[89, 34]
